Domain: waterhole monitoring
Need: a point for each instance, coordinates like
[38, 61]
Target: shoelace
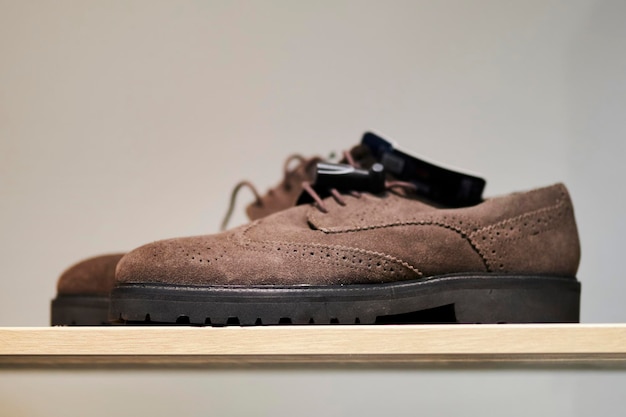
[233, 199]
[303, 164]
[306, 186]
[286, 183]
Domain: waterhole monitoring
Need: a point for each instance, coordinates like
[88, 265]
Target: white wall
[127, 122]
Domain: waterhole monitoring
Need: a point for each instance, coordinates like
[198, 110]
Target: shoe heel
[547, 302]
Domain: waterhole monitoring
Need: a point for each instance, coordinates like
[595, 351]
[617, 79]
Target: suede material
[93, 276]
[543, 238]
[372, 239]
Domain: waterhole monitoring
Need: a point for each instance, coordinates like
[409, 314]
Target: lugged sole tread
[79, 310]
[444, 299]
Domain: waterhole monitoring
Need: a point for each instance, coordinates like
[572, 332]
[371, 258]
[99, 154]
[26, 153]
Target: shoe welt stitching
[343, 265]
[468, 233]
[380, 255]
[546, 225]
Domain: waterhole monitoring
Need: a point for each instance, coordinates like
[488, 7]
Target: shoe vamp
[370, 239]
[93, 276]
[287, 249]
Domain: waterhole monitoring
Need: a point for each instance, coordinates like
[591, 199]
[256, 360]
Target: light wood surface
[533, 345]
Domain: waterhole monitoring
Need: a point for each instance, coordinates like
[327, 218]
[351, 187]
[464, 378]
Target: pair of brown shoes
[420, 245]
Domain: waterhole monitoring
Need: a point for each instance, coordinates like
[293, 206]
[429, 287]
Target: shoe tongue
[439, 184]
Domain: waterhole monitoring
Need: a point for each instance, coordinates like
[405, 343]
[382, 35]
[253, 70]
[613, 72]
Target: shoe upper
[372, 239]
[91, 276]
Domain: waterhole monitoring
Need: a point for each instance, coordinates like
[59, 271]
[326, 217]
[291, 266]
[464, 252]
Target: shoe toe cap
[182, 261]
[90, 276]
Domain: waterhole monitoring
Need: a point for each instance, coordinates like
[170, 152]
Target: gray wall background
[127, 122]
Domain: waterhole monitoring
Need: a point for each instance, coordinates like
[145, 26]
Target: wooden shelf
[386, 346]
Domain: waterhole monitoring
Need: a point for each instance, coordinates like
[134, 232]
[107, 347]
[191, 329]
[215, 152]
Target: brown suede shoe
[83, 292]
[83, 289]
[366, 258]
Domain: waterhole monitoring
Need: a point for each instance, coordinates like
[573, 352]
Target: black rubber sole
[79, 310]
[450, 298]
